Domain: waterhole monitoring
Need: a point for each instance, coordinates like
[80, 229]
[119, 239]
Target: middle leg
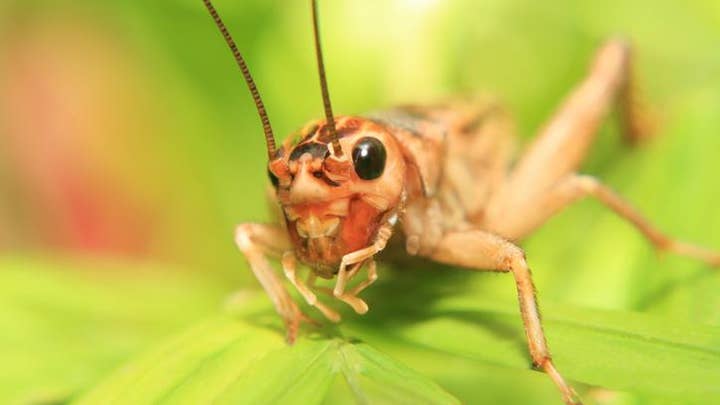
[478, 250]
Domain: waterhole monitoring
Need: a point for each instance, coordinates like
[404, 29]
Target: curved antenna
[269, 138]
[323, 83]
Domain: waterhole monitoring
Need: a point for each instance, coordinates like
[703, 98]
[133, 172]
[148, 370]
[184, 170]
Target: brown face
[334, 205]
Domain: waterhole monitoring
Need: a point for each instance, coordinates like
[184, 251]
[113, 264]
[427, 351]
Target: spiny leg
[289, 264]
[575, 187]
[564, 141]
[478, 250]
[256, 241]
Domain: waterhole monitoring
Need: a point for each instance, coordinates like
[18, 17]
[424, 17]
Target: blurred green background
[130, 147]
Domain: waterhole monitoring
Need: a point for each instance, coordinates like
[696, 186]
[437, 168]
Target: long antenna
[323, 83]
[269, 138]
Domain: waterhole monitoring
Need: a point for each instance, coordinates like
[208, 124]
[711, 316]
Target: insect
[442, 176]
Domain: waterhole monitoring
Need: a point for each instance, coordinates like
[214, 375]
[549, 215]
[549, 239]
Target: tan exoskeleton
[443, 175]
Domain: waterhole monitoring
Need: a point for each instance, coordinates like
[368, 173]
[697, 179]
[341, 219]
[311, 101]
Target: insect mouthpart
[312, 227]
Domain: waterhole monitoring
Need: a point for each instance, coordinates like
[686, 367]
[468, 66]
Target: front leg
[478, 250]
[256, 241]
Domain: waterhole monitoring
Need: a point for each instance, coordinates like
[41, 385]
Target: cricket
[445, 180]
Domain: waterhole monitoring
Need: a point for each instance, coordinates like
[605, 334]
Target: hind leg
[575, 187]
[564, 142]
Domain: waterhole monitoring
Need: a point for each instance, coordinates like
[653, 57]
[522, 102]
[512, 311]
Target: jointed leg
[372, 277]
[480, 250]
[256, 241]
[289, 264]
[350, 297]
[575, 187]
[564, 141]
[344, 277]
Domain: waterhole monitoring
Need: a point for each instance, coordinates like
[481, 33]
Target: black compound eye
[369, 158]
[273, 179]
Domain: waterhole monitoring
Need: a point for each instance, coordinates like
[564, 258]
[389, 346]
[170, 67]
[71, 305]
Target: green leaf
[230, 361]
[474, 348]
[619, 350]
[64, 325]
[60, 332]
